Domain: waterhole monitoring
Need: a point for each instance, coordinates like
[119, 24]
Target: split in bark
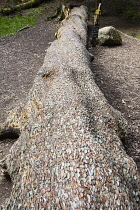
[62, 12]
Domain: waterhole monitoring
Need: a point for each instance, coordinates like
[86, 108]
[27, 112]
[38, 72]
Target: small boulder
[109, 36]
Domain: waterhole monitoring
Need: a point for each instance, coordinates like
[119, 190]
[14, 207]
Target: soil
[116, 71]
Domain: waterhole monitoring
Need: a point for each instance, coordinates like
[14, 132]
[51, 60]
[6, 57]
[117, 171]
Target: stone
[109, 36]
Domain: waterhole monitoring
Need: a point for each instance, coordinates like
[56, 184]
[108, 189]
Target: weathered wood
[62, 11]
[69, 154]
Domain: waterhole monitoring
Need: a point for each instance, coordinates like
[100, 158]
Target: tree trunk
[25, 5]
[61, 12]
[69, 154]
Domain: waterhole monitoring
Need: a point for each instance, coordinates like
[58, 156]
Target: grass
[134, 35]
[130, 33]
[11, 24]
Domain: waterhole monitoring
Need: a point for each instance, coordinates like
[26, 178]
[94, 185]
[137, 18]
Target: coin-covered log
[69, 153]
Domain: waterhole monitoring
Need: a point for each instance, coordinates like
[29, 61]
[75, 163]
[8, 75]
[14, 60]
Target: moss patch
[11, 24]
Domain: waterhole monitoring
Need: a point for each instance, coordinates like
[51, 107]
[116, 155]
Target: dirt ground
[116, 71]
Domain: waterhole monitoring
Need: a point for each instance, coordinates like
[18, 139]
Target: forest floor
[116, 71]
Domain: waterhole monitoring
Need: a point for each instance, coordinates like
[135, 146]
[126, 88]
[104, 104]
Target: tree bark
[25, 5]
[60, 13]
[69, 154]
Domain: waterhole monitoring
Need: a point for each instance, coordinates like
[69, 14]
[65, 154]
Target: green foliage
[128, 8]
[11, 24]
[132, 15]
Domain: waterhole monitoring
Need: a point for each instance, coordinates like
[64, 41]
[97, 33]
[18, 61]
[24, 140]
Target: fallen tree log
[69, 154]
[60, 14]
[18, 7]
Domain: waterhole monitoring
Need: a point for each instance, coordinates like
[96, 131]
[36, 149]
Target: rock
[109, 36]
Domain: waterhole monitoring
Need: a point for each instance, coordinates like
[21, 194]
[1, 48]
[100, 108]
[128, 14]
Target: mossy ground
[12, 23]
